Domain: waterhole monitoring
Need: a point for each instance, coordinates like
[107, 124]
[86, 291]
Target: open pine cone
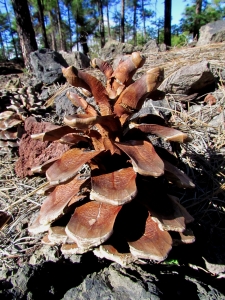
[118, 202]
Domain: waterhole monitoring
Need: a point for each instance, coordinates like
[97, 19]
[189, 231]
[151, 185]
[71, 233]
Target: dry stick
[26, 196]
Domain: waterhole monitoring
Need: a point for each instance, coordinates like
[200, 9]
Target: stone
[47, 65]
[189, 79]
[150, 46]
[114, 48]
[63, 105]
[213, 32]
[35, 152]
[112, 284]
[76, 59]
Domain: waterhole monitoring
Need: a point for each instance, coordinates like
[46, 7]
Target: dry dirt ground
[202, 160]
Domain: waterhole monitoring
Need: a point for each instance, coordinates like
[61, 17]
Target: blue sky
[178, 7]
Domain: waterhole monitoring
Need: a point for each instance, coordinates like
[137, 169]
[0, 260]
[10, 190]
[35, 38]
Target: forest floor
[204, 162]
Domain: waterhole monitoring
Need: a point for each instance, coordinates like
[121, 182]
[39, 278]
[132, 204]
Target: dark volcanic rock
[35, 152]
[47, 65]
[111, 283]
[63, 105]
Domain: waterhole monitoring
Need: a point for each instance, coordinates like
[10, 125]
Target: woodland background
[26, 25]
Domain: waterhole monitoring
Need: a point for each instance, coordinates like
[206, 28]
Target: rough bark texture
[25, 29]
[43, 30]
[198, 10]
[167, 23]
[101, 23]
[122, 34]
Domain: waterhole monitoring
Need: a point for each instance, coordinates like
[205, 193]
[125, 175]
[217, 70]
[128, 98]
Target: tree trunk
[10, 31]
[107, 12]
[59, 20]
[54, 47]
[70, 33]
[43, 30]
[198, 11]
[2, 47]
[122, 31]
[167, 22]
[135, 22]
[143, 16]
[101, 23]
[25, 30]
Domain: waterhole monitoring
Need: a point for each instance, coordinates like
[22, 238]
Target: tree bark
[198, 10]
[54, 46]
[143, 16]
[70, 31]
[101, 23]
[10, 30]
[107, 12]
[167, 22]
[135, 22]
[43, 30]
[2, 47]
[59, 20]
[122, 31]
[25, 30]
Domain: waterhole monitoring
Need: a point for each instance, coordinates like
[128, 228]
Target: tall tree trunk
[143, 16]
[2, 46]
[43, 30]
[107, 12]
[54, 46]
[167, 22]
[135, 22]
[101, 23]
[122, 31]
[70, 32]
[198, 10]
[77, 29]
[10, 30]
[59, 21]
[25, 30]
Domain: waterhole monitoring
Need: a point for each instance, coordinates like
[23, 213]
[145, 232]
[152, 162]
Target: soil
[30, 270]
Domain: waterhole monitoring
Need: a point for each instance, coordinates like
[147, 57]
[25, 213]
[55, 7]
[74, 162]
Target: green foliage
[179, 40]
[210, 12]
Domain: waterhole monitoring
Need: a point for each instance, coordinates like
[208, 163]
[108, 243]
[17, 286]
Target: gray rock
[213, 32]
[151, 46]
[162, 47]
[47, 65]
[45, 253]
[112, 284]
[189, 79]
[76, 59]
[63, 105]
[114, 48]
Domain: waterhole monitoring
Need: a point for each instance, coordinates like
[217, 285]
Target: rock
[114, 48]
[162, 47]
[213, 32]
[47, 65]
[63, 105]
[76, 59]
[45, 253]
[35, 152]
[189, 79]
[112, 284]
[150, 46]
